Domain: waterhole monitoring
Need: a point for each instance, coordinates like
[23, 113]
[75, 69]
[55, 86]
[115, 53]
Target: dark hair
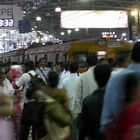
[53, 79]
[121, 59]
[131, 82]
[66, 66]
[101, 60]
[92, 59]
[74, 67]
[29, 65]
[102, 74]
[136, 52]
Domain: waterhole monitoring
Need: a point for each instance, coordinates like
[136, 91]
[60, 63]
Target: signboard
[94, 19]
[9, 16]
[24, 26]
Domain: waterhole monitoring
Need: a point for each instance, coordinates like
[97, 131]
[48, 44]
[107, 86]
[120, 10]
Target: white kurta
[86, 86]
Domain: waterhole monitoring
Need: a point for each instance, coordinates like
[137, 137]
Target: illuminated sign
[9, 16]
[94, 19]
[6, 22]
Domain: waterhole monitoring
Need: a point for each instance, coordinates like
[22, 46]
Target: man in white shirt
[70, 84]
[87, 84]
[64, 74]
[26, 78]
[43, 71]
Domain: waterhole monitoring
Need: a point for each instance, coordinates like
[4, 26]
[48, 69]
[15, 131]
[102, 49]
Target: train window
[101, 54]
[81, 58]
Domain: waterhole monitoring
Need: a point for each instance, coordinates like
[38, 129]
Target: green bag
[57, 113]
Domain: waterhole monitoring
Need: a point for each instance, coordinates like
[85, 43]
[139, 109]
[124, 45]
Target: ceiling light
[50, 36]
[69, 31]
[76, 29]
[38, 18]
[62, 33]
[124, 34]
[57, 9]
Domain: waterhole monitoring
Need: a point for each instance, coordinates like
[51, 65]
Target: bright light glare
[12, 31]
[134, 13]
[57, 9]
[69, 31]
[76, 29]
[46, 37]
[94, 19]
[50, 36]
[4, 34]
[37, 40]
[101, 52]
[38, 18]
[62, 33]
[124, 34]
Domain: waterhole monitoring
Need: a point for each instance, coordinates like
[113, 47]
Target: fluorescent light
[57, 9]
[38, 18]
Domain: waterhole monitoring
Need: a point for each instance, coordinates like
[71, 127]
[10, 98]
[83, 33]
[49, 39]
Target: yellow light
[134, 13]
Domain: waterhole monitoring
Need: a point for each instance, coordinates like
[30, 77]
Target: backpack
[35, 83]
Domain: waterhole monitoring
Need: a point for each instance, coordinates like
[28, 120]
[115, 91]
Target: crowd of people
[44, 102]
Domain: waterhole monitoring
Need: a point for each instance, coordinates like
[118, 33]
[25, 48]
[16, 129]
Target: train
[52, 53]
[76, 50]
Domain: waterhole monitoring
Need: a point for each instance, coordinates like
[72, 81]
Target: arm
[24, 79]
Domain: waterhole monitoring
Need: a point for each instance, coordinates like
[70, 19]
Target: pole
[130, 26]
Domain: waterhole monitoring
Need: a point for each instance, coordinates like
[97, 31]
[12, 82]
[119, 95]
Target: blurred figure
[122, 63]
[50, 65]
[129, 119]
[92, 105]
[86, 85]
[54, 92]
[64, 74]
[6, 108]
[103, 61]
[111, 63]
[127, 125]
[42, 70]
[55, 131]
[115, 95]
[70, 84]
[25, 78]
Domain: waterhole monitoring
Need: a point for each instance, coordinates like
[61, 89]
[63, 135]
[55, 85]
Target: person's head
[122, 61]
[92, 59]
[102, 74]
[132, 88]
[53, 79]
[103, 61]
[74, 67]
[136, 52]
[42, 62]
[29, 65]
[50, 65]
[66, 66]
